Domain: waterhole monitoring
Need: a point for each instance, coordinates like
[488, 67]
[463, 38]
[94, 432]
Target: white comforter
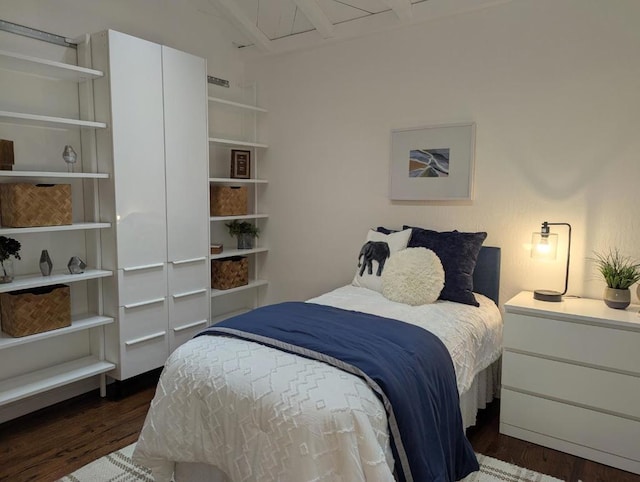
[262, 415]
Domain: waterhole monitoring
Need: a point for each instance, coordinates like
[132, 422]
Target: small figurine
[69, 156]
[76, 265]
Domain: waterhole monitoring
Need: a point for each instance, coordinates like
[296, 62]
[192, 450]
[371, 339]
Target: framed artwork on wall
[433, 163]
[240, 164]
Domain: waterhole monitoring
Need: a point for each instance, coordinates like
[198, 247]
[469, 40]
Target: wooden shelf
[50, 229]
[235, 142]
[33, 280]
[78, 323]
[218, 100]
[244, 216]
[23, 386]
[55, 175]
[48, 121]
[251, 285]
[230, 180]
[46, 68]
[238, 252]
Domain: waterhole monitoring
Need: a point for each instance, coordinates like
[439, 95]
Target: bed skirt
[482, 391]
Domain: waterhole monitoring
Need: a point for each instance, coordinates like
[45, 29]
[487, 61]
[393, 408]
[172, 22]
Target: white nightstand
[571, 378]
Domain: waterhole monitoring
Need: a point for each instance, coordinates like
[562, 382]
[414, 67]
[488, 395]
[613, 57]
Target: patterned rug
[118, 467]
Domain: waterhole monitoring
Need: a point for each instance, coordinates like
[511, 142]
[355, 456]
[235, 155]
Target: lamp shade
[544, 246]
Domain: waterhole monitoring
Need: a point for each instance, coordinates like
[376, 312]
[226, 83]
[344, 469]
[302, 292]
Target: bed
[234, 409]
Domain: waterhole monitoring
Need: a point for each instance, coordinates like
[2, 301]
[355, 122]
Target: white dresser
[571, 378]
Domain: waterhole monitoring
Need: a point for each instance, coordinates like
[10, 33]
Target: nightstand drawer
[584, 343]
[563, 422]
[599, 389]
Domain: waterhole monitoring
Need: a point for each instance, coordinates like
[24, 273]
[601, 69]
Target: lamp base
[547, 295]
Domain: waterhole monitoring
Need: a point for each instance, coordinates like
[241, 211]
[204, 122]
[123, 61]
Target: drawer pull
[186, 261]
[142, 339]
[190, 325]
[143, 303]
[189, 293]
[146, 266]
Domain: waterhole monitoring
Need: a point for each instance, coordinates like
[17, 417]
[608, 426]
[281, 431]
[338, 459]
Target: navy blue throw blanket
[407, 367]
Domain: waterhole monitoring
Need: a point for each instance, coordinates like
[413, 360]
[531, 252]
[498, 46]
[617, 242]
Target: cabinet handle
[189, 293]
[192, 260]
[190, 325]
[143, 303]
[135, 341]
[146, 266]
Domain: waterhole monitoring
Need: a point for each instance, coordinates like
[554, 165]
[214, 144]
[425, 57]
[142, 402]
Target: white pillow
[413, 276]
[374, 254]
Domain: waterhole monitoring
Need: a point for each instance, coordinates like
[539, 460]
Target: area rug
[118, 467]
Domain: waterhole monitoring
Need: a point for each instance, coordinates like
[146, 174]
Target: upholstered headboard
[486, 276]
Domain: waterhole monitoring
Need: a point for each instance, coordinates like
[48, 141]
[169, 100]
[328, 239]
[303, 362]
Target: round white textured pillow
[413, 276]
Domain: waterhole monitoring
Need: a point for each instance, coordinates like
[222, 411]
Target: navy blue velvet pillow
[458, 253]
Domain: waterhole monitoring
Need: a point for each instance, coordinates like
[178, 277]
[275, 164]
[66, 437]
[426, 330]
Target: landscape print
[429, 163]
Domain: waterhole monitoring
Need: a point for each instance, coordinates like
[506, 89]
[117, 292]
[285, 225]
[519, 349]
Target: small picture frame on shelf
[240, 164]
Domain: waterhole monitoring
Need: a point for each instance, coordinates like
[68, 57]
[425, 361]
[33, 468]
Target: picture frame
[433, 163]
[240, 164]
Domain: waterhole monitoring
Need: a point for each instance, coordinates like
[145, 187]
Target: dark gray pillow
[458, 253]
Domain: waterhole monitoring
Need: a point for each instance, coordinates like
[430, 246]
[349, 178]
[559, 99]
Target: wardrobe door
[138, 150]
[186, 154]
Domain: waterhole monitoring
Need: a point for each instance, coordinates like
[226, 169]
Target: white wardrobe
[154, 100]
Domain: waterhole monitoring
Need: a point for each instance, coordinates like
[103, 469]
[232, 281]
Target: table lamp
[544, 245]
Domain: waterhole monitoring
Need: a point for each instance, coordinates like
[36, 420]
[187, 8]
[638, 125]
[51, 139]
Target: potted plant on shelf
[8, 247]
[619, 272]
[244, 231]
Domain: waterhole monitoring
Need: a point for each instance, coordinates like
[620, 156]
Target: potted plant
[619, 272]
[8, 247]
[244, 231]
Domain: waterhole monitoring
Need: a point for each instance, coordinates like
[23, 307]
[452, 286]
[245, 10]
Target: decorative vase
[618, 299]
[245, 241]
[45, 263]
[6, 271]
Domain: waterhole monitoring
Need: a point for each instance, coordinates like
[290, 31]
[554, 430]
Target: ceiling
[275, 26]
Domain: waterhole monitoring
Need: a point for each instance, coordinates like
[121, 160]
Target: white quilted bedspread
[264, 415]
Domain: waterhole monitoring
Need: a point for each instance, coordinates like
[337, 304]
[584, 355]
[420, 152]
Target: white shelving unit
[46, 68]
[234, 125]
[236, 142]
[53, 175]
[48, 366]
[47, 120]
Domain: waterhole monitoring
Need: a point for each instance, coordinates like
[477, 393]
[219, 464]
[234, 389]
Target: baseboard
[118, 389]
[605, 458]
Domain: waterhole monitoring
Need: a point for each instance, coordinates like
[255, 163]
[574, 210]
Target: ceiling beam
[316, 16]
[230, 7]
[402, 8]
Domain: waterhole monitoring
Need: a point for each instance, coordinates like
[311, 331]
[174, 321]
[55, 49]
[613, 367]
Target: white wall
[553, 88]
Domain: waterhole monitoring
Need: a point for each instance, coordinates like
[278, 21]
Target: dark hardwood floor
[57, 440]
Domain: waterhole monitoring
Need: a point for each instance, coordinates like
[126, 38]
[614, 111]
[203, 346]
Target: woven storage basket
[230, 272]
[23, 205]
[27, 312]
[228, 200]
